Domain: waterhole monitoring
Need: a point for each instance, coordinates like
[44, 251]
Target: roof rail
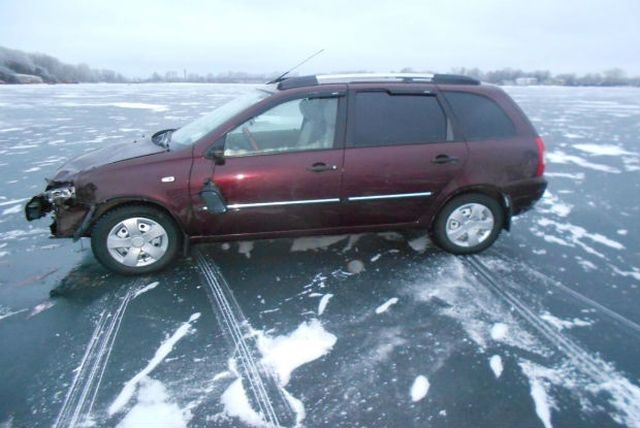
[450, 79]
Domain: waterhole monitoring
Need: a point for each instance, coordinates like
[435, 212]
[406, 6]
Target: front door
[282, 170]
[400, 153]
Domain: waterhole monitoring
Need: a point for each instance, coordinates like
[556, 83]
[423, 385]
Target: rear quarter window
[480, 117]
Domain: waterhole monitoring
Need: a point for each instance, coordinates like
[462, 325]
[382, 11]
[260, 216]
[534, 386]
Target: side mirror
[216, 152]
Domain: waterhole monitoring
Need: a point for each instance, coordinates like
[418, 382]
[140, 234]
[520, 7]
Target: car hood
[107, 155]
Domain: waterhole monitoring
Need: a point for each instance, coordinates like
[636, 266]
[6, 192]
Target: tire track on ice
[265, 394]
[624, 395]
[615, 316]
[81, 396]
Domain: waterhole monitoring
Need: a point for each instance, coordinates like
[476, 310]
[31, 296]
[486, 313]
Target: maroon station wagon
[308, 155]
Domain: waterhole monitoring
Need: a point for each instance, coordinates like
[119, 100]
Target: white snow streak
[562, 158]
[386, 305]
[41, 308]
[323, 303]
[603, 149]
[541, 399]
[165, 348]
[146, 288]
[561, 324]
[9, 314]
[13, 210]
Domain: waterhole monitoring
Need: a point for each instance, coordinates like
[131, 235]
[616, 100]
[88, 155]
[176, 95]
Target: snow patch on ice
[543, 402]
[561, 324]
[419, 244]
[281, 355]
[153, 408]
[495, 362]
[284, 354]
[13, 210]
[575, 235]
[146, 288]
[561, 157]
[499, 331]
[41, 308]
[576, 176]
[245, 247]
[324, 301]
[355, 266]
[603, 149]
[236, 405]
[158, 108]
[8, 314]
[161, 353]
[551, 204]
[12, 201]
[420, 388]
[391, 236]
[481, 320]
[634, 273]
[316, 242]
[386, 305]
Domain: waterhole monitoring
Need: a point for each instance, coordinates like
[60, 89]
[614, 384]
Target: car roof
[325, 79]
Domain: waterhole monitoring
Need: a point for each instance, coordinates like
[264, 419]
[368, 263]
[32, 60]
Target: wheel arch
[491, 191]
[112, 204]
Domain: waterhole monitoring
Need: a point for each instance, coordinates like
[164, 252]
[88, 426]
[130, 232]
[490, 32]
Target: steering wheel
[249, 136]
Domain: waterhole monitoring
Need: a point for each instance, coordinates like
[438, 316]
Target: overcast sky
[138, 37]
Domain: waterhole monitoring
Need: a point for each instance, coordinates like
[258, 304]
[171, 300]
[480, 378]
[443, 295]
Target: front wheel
[468, 224]
[135, 240]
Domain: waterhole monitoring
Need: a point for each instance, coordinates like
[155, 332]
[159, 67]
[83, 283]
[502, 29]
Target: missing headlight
[60, 194]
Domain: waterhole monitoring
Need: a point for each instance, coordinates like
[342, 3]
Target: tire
[135, 239]
[468, 224]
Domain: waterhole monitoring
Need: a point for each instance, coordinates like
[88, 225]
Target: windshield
[195, 130]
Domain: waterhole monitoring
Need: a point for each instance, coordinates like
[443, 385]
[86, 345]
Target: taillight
[540, 168]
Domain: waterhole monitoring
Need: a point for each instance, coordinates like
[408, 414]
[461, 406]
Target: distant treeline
[21, 67]
[509, 76]
[506, 76]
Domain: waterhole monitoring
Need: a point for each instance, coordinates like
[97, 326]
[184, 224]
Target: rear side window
[383, 119]
[480, 117]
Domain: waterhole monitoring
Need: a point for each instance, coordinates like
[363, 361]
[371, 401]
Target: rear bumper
[525, 194]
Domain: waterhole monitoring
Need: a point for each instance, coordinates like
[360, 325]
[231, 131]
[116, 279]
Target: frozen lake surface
[541, 330]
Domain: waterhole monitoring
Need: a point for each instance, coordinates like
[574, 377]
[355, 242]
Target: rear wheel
[468, 224]
[135, 240]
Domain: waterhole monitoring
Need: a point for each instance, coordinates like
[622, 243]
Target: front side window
[383, 119]
[301, 124]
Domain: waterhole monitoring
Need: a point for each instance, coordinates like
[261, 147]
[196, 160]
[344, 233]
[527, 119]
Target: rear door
[401, 152]
[282, 168]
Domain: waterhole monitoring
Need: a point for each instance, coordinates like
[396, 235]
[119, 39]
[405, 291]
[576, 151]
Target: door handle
[321, 167]
[444, 158]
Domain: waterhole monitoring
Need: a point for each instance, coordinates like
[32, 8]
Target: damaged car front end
[72, 208]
